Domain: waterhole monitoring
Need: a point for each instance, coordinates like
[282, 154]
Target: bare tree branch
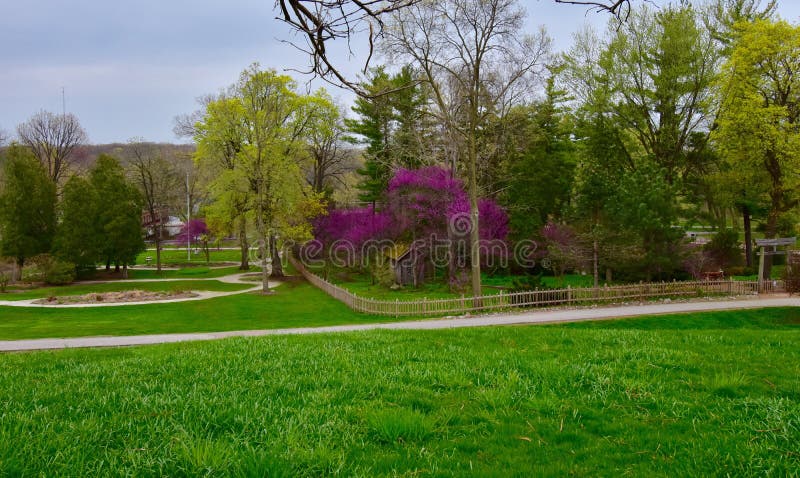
[323, 22]
[52, 138]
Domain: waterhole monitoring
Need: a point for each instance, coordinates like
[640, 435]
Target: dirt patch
[117, 297]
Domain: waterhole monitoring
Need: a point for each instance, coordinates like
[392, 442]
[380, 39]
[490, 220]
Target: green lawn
[81, 289]
[713, 394]
[198, 272]
[360, 283]
[295, 304]
[178, 256]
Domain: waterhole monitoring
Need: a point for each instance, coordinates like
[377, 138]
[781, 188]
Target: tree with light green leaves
[758, 132]
[267, 150]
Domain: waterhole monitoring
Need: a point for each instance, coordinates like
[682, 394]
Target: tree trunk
[595, 271]
[263, 239]
[124, 271]
[243, 245]
[748, 237]
[277, 266]
[158, 248]
[16, 274]
[474, 233]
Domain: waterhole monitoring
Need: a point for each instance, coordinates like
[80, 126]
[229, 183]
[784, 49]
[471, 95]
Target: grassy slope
[711, 394]
[81, 289]
[294, 305]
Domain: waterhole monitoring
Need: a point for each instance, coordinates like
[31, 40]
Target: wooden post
[762, 254]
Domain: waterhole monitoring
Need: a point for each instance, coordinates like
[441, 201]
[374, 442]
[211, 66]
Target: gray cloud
[129, 67]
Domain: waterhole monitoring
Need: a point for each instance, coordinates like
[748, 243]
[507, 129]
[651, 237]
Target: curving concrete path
[526, 318]
[200, 295]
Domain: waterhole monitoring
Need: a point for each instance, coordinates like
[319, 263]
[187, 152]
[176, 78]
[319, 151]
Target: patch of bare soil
[116, 297]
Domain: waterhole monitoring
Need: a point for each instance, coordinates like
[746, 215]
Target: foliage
[472, 401]
[561, 250]
[528, 282]
[388, 124]
[80, 235]
[757, 133]
[120, 214]
[541, 162]
[791, 274]
[192, 232]
[54, 271]
[253, 132]
[27, 207]
[724, 249]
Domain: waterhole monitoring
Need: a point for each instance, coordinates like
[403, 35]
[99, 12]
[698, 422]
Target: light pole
[188, 221]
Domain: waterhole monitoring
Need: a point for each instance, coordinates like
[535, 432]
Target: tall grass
[717, 394]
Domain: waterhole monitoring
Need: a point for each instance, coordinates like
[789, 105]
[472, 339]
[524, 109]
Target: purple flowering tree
[195, 232]
[425, 208]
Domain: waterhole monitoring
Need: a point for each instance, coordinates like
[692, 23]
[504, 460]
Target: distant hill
[85, 156]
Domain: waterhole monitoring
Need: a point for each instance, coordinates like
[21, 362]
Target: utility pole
[188, 221]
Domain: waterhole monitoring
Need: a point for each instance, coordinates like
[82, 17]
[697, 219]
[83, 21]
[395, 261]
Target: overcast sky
[127, 68]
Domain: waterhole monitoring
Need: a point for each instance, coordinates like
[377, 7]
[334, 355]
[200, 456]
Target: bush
[741, 271]
[724, 249]
[51, 271]
[59, 273]
[528, 282]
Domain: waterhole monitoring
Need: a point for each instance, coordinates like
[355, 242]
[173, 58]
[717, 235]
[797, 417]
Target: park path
[525, 318]
[200, 295]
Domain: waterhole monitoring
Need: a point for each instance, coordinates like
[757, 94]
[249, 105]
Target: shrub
[791, 274]
[51, 271]
[528, 282]
[741, 271]
[724, 249]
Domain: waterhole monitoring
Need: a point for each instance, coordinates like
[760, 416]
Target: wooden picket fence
[539, 298]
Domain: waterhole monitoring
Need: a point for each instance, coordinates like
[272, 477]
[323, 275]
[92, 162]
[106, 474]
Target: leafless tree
[156, 178]
[3, 137]
[321, 23]
[330, 159]
[52, 138]
[472, 57]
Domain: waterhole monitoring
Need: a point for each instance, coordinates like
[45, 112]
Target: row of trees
[96, 219]
[95, 214]
[678, 116]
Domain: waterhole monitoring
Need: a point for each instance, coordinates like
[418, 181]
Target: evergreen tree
[119, 213]
[541, 167]
[27, 208]
[79, 236]
[373, 126]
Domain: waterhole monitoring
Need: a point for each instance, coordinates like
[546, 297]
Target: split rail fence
[539, 298]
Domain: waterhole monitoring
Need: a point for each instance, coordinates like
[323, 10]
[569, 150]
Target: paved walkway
[527, 318]
[200, 295]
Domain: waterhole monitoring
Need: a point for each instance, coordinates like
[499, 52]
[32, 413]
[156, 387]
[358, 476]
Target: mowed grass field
[715, 394]
[295, 304]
